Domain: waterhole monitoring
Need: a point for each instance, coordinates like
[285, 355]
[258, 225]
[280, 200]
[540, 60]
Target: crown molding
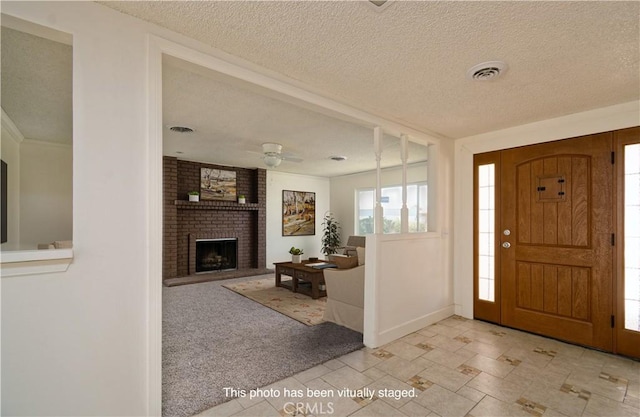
[27, 141]
[11, 128]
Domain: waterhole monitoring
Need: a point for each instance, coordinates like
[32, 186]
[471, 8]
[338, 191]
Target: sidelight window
[486, 232]
[632, 236]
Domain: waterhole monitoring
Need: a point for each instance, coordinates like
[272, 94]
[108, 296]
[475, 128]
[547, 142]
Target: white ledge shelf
[32, 262]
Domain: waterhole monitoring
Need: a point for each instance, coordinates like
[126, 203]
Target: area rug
[297, 306]
[214, 338]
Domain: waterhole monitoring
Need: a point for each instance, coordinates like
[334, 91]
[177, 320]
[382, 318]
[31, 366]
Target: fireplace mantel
[216, 205]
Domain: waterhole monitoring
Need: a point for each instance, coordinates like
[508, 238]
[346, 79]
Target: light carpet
[297, 306]
[213, 338]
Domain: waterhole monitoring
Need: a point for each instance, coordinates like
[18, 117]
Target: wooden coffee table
[304, 279]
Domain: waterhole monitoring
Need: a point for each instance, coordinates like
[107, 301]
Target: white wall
[277, 245]
[408, 277]
[46, 189]
[408, 285]
[10, 152]
[343, 191]
[75, 343]
[40, 193]
[594, 121]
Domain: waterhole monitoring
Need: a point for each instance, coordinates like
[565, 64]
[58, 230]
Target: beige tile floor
[456, 367]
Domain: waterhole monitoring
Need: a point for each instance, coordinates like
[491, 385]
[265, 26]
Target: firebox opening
[216, 255]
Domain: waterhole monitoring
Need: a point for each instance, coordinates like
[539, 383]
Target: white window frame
[418, 185]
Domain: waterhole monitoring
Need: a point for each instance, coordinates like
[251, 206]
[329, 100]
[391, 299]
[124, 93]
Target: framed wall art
[217, 184]
[298, 213]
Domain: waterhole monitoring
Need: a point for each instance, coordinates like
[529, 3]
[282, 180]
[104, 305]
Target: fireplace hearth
[216, 255]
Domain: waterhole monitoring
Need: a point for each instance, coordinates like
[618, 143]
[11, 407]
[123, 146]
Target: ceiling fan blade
[275, 150]
[291, 158]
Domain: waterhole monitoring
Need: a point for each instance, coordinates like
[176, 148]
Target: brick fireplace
[187, 222]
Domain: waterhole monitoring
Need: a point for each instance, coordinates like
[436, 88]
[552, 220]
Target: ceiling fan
[273, 155]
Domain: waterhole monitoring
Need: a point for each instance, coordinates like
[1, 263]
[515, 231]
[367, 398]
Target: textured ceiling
[408, 62]
[37, 85]
[231, 120]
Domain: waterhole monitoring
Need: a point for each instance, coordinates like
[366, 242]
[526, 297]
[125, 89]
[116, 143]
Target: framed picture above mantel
[217, 184]
[298, 213]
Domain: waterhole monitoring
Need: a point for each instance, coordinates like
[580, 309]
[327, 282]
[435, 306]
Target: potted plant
[331, 235]
[296, 255]
[194, 196]
[242, 199]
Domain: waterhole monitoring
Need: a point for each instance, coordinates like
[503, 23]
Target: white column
[404, 212]
[378, 212]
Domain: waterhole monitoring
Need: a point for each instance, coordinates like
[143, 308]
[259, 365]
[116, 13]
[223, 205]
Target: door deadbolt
[506, 232]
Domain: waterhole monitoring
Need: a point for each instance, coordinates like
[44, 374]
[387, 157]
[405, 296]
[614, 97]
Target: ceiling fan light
[272, 161]
[271, 148]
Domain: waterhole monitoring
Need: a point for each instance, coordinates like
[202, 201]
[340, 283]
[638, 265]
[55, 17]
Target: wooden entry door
[554, 239]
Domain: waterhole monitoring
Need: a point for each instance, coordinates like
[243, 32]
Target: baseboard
[388, 336]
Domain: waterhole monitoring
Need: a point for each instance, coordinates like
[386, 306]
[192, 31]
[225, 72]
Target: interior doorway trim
[158, 46]
[154, 230]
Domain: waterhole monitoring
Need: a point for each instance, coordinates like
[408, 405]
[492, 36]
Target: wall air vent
[486, 71]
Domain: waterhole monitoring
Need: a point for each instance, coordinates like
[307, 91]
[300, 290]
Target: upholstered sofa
[345, 295]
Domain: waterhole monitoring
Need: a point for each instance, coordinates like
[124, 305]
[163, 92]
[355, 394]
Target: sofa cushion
[360, 251]
[344, 262]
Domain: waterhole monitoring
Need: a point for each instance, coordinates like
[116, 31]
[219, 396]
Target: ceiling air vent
[181, 129]
[486, 71]
[338, 158]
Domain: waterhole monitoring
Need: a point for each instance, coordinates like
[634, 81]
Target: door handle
[506, 245]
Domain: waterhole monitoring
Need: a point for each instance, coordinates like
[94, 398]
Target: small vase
[242, 200]
[194, 197]
[296, 259]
